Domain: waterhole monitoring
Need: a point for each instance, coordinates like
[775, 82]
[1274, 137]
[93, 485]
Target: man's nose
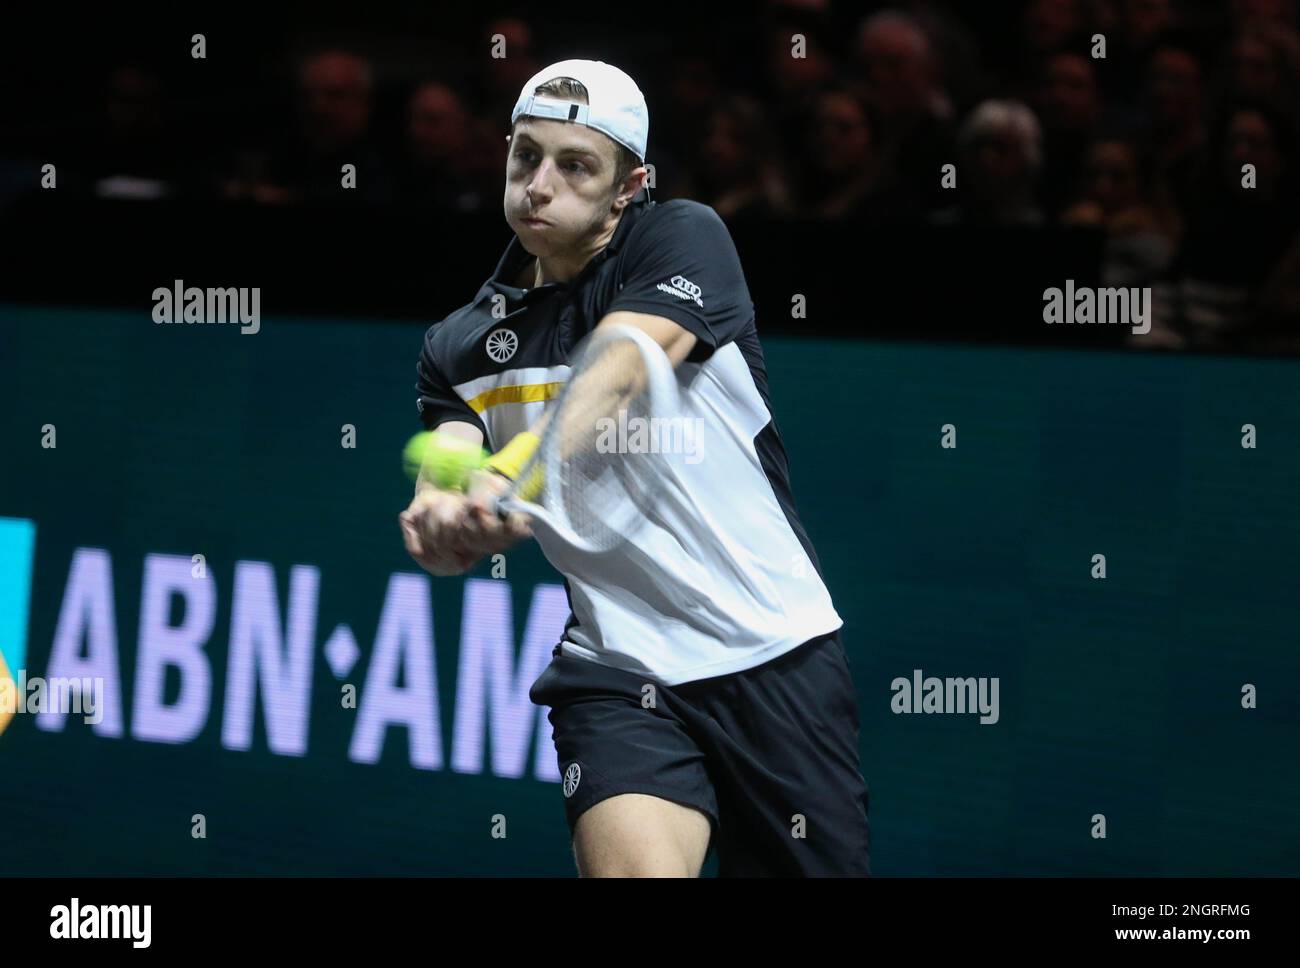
[539, 186]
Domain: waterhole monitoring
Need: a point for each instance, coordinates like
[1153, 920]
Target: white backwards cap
[617, 106]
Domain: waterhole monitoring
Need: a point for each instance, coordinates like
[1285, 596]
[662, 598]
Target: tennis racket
[595, 490]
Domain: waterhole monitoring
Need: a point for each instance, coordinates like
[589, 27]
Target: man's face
[1143, 19]
[335, 100]
[562, 174]
[1251, 140]
[724, 150]
[1255, 71]
[841, 136]
[1069, 97]
[437, 124]
[1001, 163]
[1174, 88]
[898, 70]
[1112, 173]
[1050, 23]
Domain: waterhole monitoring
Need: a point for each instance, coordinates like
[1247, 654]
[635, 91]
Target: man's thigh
[636, 787]
[783, 752]
[636, 835]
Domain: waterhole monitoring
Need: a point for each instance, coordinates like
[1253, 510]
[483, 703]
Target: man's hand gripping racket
[575, 474]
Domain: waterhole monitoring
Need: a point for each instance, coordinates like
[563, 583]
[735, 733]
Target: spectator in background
[448, 164]
[793, 82]
[1271, 11]
[737, 168]
[335, 90]
[1049, 27]
[1142, 21]
[1140, 24]
[788, 85]
[1175, 109]
[840, 175]
[1237, 234]
[131, 154]
[334, 98]
[1276, 327]
[693, 88]
[963, 78]
[690, 88]
[795, 78]
[901, 71]
[504, 77]
[1265, 65]
[1000, 151]
[1120, 199]
[1069, 106]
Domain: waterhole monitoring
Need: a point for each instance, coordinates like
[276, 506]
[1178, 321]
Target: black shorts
[769, 753]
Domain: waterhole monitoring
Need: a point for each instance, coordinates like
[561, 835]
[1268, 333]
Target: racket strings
[598, 491]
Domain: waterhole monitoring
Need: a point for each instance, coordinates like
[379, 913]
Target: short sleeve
[680, 263]
[436, 401]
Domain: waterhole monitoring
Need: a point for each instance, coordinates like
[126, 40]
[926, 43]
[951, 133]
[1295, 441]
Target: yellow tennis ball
[446, 459]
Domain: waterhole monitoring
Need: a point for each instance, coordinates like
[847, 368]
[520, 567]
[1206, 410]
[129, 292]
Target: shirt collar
[515, 256]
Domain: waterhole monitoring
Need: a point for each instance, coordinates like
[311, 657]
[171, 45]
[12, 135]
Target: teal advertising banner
[243, 673]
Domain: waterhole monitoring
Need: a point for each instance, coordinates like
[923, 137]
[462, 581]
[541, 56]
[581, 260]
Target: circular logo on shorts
[501, 344]
[571, 777]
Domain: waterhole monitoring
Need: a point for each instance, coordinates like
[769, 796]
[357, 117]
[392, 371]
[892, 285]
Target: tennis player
[700, 695]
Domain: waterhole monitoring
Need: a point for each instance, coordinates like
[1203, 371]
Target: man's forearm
[604, 387]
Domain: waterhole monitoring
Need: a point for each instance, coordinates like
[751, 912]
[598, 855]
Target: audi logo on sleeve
[682, 288]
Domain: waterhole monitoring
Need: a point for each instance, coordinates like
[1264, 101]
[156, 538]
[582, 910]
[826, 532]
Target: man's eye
[527, 157]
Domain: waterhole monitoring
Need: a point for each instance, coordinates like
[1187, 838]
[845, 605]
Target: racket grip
[511, 458]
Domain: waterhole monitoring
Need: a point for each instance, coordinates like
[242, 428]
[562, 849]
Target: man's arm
[681, 239]
[598, 396]
[616, 377]
[436, 528]
[592, 397]
[674, 339]
[447, 532]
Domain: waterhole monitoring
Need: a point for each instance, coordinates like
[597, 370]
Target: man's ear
[636, 178]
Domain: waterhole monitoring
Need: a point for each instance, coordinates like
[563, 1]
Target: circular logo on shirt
[501, 344]
[571, 777]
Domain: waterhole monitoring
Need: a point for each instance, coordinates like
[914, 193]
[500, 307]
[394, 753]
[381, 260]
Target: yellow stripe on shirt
[525, 393]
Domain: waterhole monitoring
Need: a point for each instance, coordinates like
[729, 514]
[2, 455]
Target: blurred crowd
[853, 120]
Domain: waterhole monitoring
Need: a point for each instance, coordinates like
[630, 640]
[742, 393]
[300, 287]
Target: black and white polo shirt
[728, 579]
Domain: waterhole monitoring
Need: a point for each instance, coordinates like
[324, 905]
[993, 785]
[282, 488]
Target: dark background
[1119, 697]
[826, 167]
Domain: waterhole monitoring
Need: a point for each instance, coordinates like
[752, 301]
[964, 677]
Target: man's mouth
[535, 222]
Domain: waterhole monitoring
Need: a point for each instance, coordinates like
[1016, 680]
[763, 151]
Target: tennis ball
[447, 459]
